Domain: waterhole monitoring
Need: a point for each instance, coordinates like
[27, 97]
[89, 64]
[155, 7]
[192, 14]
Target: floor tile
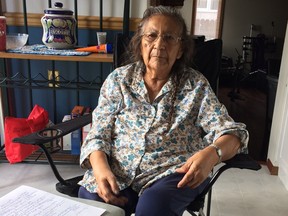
[236, 193]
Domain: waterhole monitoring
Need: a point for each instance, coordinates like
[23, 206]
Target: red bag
[17, 127]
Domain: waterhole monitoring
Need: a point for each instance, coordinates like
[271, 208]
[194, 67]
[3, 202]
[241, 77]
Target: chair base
[70, 187]
[199, 213]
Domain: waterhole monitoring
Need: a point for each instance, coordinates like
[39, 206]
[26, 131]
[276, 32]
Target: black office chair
[207, 60]
[203, 63]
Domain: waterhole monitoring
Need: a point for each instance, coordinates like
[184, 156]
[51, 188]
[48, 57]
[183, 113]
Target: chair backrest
[207, 60]
[121, 42]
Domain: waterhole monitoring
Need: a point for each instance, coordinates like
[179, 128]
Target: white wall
[111, 8]
[278, 145]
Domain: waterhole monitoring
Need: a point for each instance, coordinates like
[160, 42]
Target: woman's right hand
[108, 188]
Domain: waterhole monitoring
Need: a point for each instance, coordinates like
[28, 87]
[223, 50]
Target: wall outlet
[54, 76]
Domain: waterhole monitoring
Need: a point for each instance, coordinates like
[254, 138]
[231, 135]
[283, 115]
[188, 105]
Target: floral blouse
[135, 133]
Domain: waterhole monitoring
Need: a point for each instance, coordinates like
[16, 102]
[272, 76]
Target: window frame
[219, 22]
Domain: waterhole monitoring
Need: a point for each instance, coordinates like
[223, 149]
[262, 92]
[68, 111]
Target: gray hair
[186, 42]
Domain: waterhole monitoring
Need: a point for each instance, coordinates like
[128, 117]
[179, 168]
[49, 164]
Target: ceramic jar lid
[59, 28]
[58, 10]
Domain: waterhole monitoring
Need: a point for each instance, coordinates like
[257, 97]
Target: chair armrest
[241, 161]
[57, 131]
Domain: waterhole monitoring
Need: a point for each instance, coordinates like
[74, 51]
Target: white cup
[101, 37]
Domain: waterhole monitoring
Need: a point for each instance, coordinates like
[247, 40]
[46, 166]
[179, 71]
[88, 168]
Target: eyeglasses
[168, 38]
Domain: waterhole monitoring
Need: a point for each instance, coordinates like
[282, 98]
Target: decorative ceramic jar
[59, 28]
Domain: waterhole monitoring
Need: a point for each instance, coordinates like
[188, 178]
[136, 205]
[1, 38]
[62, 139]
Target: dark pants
[161, 198]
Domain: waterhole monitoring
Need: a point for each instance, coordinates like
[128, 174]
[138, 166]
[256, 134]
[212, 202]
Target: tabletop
[93, 57]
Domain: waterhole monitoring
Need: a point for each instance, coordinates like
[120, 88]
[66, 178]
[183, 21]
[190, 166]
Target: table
[26, 199]
[94, 57]
[110, 209]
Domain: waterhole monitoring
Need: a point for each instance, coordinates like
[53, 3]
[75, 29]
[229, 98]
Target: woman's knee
[85, 194]
[155, 202]
[164, 198]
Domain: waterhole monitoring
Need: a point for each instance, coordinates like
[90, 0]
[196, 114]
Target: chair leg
[209, 202]
[52, 165]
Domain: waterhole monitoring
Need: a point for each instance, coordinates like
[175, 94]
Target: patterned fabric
[133, 132]
[41, 49]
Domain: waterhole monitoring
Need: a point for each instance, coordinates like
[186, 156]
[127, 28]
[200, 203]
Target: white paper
[28, 201]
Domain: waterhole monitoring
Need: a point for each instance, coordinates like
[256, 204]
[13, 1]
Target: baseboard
[272, 169]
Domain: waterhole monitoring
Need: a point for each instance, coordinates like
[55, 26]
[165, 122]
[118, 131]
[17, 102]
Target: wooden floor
[249, 107]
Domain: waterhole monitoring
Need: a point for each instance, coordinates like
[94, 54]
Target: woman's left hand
[197, 168]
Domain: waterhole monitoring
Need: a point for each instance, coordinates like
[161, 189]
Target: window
[202, 3]
[207, 18]
[214, 4]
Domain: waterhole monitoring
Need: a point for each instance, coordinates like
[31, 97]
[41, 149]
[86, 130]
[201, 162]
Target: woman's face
[160, 44]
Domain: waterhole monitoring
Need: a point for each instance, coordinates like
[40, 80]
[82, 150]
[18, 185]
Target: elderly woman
[146, 151]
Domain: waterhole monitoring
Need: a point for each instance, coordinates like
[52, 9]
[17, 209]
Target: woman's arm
[229, 145]
[103, 120]
[107, 189]
[199, 166]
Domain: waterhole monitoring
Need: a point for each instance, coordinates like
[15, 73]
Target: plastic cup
[101, 37]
